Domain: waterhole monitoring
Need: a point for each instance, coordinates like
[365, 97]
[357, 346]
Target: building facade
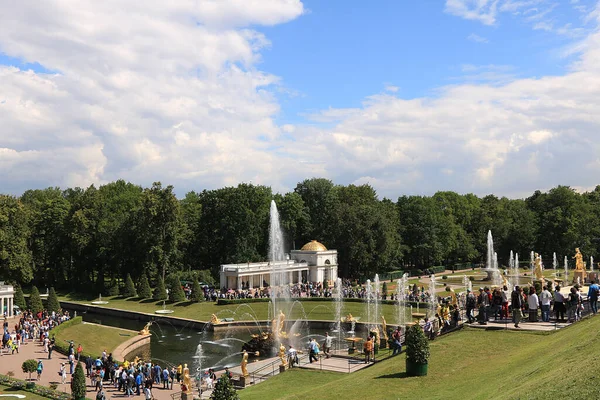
[312, 263]
[7, 298]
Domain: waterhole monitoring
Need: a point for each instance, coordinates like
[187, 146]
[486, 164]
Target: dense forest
[83, 238]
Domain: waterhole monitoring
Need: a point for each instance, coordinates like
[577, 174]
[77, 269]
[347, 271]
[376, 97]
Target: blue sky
[411, 97]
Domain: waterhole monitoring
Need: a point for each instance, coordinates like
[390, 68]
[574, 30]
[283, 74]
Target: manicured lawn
[94, 338]
[314, 310]
[28, 395]
[473, 364]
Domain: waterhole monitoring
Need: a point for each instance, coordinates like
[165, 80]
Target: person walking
[63, 373]
[516, 299]
[471, 303]
[40, 369]
[368, 349]
[534, 303]
[327, 345]
[397, 341]
[312, 350]
[545, 300]
[593, 296]
[559, 305]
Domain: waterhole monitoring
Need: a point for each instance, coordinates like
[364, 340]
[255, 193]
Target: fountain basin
[99, 302]
[163, 311]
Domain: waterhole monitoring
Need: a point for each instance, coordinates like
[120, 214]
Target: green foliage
[78, 385]
[144, 290]
[53, 304]
[160, 292]
[129, 290]
[444, 277]
[417, 345]
[176, 293]
[15, 257]
[35, 301]
[224, 390]
[197, 294]
[20, 298]
[29, 366]
[113, 288]
[384, 288]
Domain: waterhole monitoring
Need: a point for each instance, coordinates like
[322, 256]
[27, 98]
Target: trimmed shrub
[113, 288]
[129, 290]
[224, 390]
[78, 385]
[144, 290]
[176, 293]
[197, 294]
[35, 301]
[29, 366]
[444, 277]
[53, 304]
[160, 293]
[417, 345]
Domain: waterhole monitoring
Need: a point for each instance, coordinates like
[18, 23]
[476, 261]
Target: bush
[384, 289]
[197, 294]
[160, 293]
[129, 290]
[176, 293]
[35, 301]
[113, 288]
[444, 277]
[417, 345]
[53, 304]
[78, 385]
[20, 298]
[224, 390]
[29, 366]
[144, 290]
[472, 278]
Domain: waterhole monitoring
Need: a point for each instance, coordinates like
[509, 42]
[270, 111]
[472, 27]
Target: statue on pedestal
[187, 380]
[579, 267]
[537, 271]
[384, 327]
[280, 325]
[244, 364]
[282, 355]
[146, 329]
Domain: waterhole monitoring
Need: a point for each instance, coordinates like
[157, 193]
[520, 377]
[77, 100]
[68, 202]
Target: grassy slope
[315, 310]
[94, 338]
[29, 395]
[470, 364]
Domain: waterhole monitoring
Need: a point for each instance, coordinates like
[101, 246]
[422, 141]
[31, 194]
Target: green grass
[29, 395]
[314, 310]
[94, 338]
[471, 364]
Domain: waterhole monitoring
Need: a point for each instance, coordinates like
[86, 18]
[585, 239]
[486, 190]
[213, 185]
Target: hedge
[63, 346]
[36, 389]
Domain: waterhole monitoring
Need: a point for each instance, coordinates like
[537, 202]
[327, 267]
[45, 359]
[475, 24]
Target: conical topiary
[35, 301]
[224, 390]
[53, 304]
[159, 291]
[197, 294]
[129, 287]
[78, 385]
[144, 290]
[176, 293]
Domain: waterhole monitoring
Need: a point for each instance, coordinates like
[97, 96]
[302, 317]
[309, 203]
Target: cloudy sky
[481, 96]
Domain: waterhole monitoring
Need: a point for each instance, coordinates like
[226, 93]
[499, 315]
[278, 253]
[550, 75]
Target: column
[261, 280]
[2, 305]
[12, 300]
[299, 276]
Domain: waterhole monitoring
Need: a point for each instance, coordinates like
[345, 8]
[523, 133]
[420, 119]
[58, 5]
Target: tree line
[91, 238]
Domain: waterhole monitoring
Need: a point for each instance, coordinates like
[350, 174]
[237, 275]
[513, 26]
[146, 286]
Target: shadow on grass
[396, 375]
[184, 304]
[79, 296]
[148, 301]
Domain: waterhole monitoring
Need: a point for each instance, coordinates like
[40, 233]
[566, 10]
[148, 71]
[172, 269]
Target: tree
[160, 293]
[176, 293]
[129, 287]
[20, 298]
[29, 366]
[35, 301]
[197, 292]
[78, 385]
[224, 390]
[144, 290]
[53, 304]
[15, 257]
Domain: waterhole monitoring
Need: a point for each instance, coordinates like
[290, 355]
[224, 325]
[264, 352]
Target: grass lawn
[314, 310]
[471, 363]
[28, 395]
[94, 338]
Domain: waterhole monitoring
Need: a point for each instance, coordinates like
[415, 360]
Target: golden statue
[578, 260]
[187, 379]
[146, 329]
[282, 356]
[214, 319]
[244, 364]
[452, 296]
[445, 313]
[349, 318]
[384, 327]
[538, 268]
[375, 332]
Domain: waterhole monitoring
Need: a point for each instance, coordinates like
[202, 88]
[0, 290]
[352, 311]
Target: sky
[412, 97]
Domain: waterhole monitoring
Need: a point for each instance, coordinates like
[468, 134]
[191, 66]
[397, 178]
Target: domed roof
[313, 245]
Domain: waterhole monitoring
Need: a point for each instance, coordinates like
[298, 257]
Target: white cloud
[477, 39]
[480, 10]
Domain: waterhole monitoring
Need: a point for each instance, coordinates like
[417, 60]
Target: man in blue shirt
[593, 296]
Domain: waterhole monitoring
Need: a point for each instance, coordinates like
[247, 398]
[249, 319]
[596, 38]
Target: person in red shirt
[79, 350]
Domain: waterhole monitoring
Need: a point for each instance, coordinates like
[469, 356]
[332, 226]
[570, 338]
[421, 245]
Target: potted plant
[417, 351]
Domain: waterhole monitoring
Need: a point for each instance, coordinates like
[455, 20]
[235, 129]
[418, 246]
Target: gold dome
[313, 245]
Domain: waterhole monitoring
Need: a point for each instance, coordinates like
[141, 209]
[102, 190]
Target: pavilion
[7, 298]
[312, 263]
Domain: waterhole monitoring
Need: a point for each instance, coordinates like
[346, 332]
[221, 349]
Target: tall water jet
[339, 304]
[532, 262]
[377, 293]
[280, 290]
[491, 265]
[198, 362]
[566, 271]
[511, 269]
[466, 282]
[370, 311]
[432, 297]
[592, 263]
[516, 269]
[401, 286]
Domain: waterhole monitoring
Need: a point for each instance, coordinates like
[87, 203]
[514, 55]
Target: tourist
[545, 300]
[559, 305]
[593, 291]
[138, 383]
[471, 303]
[533, 302]
[497, 303]
[517, 305]
[165, 378]
[505, 294]
[40, 369]
[100, 395]
[313, 350]
[292, 356]
[327, 345]
[574, 301]
[179, 372]
[71, 363]
[483, 301]
[368, 349]
[428, 329]
[397, 341]
[79, 351]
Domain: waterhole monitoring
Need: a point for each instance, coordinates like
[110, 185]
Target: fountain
[491, 265]
[514, 270]
[338, 295]
[532, 263]
[164, 309]
[432, 297]
[566, 271]
[591, 263]
[280, 289]
[554, 261]
[467, 283]
[99, 301]
[401, 286]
